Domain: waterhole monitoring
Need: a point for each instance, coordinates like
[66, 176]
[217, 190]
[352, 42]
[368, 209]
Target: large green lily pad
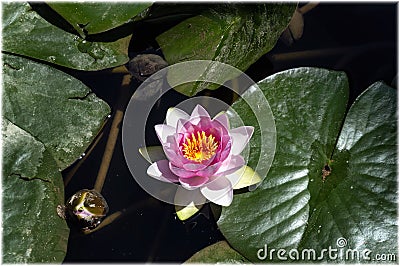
[91, 17]
[237, 35]
[26, 33]
[49, 119]
[357, 204]
[55, 108]
[299, 207]
[32, 189]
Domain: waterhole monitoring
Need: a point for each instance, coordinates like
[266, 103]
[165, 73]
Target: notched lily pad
[306, 110]
[357, 203]
[294, 207]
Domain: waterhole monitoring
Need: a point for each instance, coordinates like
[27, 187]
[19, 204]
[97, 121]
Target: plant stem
[235, 87]
[147, 203]
[307, 7]
[119, 70]
[114, 131]
[159, 236]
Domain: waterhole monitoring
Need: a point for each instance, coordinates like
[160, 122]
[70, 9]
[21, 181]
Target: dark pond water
[359, 39]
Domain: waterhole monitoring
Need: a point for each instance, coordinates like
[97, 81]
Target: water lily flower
[202, 155]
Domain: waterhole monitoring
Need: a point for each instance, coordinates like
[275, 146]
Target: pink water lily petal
[217, 131]
[206, 123]
[172, 151]
[193, 182]
[229, 166]
[218, 191]
[209, 170]
[163, 131]
[171, 142]
[225, 150]
[173, 157]
[180, 125]
[222, 118]
[194, 166]
[240, 137]
[160, 170]
[187, 126]
[175, 114]
[182, 173]
[199, 111]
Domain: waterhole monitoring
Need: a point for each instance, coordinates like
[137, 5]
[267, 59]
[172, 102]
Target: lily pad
[26, 33]
[297, 206]
[91, 17]
[32, 189]
[49, 119]
[219, 252]
[237, 35]
[356, 207]
[55, 108]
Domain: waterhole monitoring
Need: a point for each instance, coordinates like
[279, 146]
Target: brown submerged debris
[326, 171]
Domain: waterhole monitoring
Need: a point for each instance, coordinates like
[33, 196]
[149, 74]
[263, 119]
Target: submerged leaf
[26, 33]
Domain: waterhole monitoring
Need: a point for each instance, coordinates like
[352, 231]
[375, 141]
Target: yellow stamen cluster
[201, 148]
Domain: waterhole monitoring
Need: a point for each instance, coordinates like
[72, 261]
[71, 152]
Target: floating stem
[112, 137]
[150, 202]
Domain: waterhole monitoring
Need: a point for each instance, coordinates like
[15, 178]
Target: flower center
[201, 148]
